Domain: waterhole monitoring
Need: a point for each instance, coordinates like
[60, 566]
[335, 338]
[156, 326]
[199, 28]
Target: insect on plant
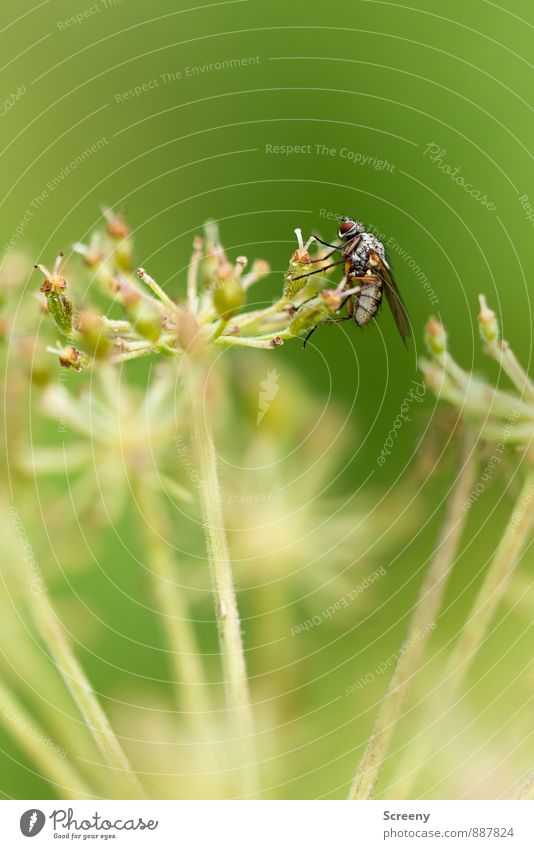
[367, 275]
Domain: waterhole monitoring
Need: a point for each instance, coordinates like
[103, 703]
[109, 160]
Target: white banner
[269, 825]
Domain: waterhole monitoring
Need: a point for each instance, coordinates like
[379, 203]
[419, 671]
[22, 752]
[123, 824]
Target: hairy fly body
[367, 276]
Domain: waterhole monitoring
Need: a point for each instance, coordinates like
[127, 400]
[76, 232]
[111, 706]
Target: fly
[367, 276]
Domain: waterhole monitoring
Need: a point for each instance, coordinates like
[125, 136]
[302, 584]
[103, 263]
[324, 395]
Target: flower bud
[119, 231]
[228, 295]
[60, 308]
[188, 332]
[91, 254]
[315, 311]
[260, 268]
[435, 336]
[91, 330]
[487, 322]
[299, 264]
[70, 357]
[58, 304]
[144, 316]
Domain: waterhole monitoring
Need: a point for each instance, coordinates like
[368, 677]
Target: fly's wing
[393, 295]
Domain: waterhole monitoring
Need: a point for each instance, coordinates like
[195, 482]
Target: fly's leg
[328, 244]
[318, 270]
[349, 300]
[326, 321]
[321, 258]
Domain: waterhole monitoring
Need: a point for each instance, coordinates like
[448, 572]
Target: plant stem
[471, 638]
[38, 746]
[52, 632]
[422, 621]
[526, 788]
[190, 681]
[503, 354]
[226, 611]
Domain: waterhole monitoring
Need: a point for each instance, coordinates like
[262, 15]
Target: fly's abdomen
[367, 303]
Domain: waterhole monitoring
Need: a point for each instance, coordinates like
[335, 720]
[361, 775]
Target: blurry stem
[503, 354]
[244, 341]
[189, 676]
[82, 693]
[424, 616]
[226, 612]
[35, 742]
[192, 277]
[221, 327]
[255, 316]
[520, 526]
[526, 788]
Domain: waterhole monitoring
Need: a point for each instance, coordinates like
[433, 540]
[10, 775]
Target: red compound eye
[345, 226]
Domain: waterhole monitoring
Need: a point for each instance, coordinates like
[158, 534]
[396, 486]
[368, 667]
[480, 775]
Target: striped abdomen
[366, 303]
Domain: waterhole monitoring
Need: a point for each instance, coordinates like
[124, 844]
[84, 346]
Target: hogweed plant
[123, 434]
[152, 323]
[495, 417]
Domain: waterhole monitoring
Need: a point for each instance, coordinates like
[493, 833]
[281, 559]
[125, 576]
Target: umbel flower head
[213, 313]
[494, 411]
[117, 438]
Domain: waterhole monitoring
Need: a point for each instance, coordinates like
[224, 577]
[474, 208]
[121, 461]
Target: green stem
[526, 788]
[421, 624]
[190, 681]
[219, 330]
[82, 693]
[472, 636]
[503, 354]
[41, 749]
[226, 611]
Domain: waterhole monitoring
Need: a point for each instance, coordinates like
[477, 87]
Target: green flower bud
[298, 266]
[228, 295]
[435, 336]
[487, 322]
[53, 287]
[315, 311]
[91, 330]
[70, 357]
[146, 319]
[124, 255]
[60, 308]
[121, 234]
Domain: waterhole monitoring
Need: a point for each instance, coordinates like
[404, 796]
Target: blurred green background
[176, 114]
